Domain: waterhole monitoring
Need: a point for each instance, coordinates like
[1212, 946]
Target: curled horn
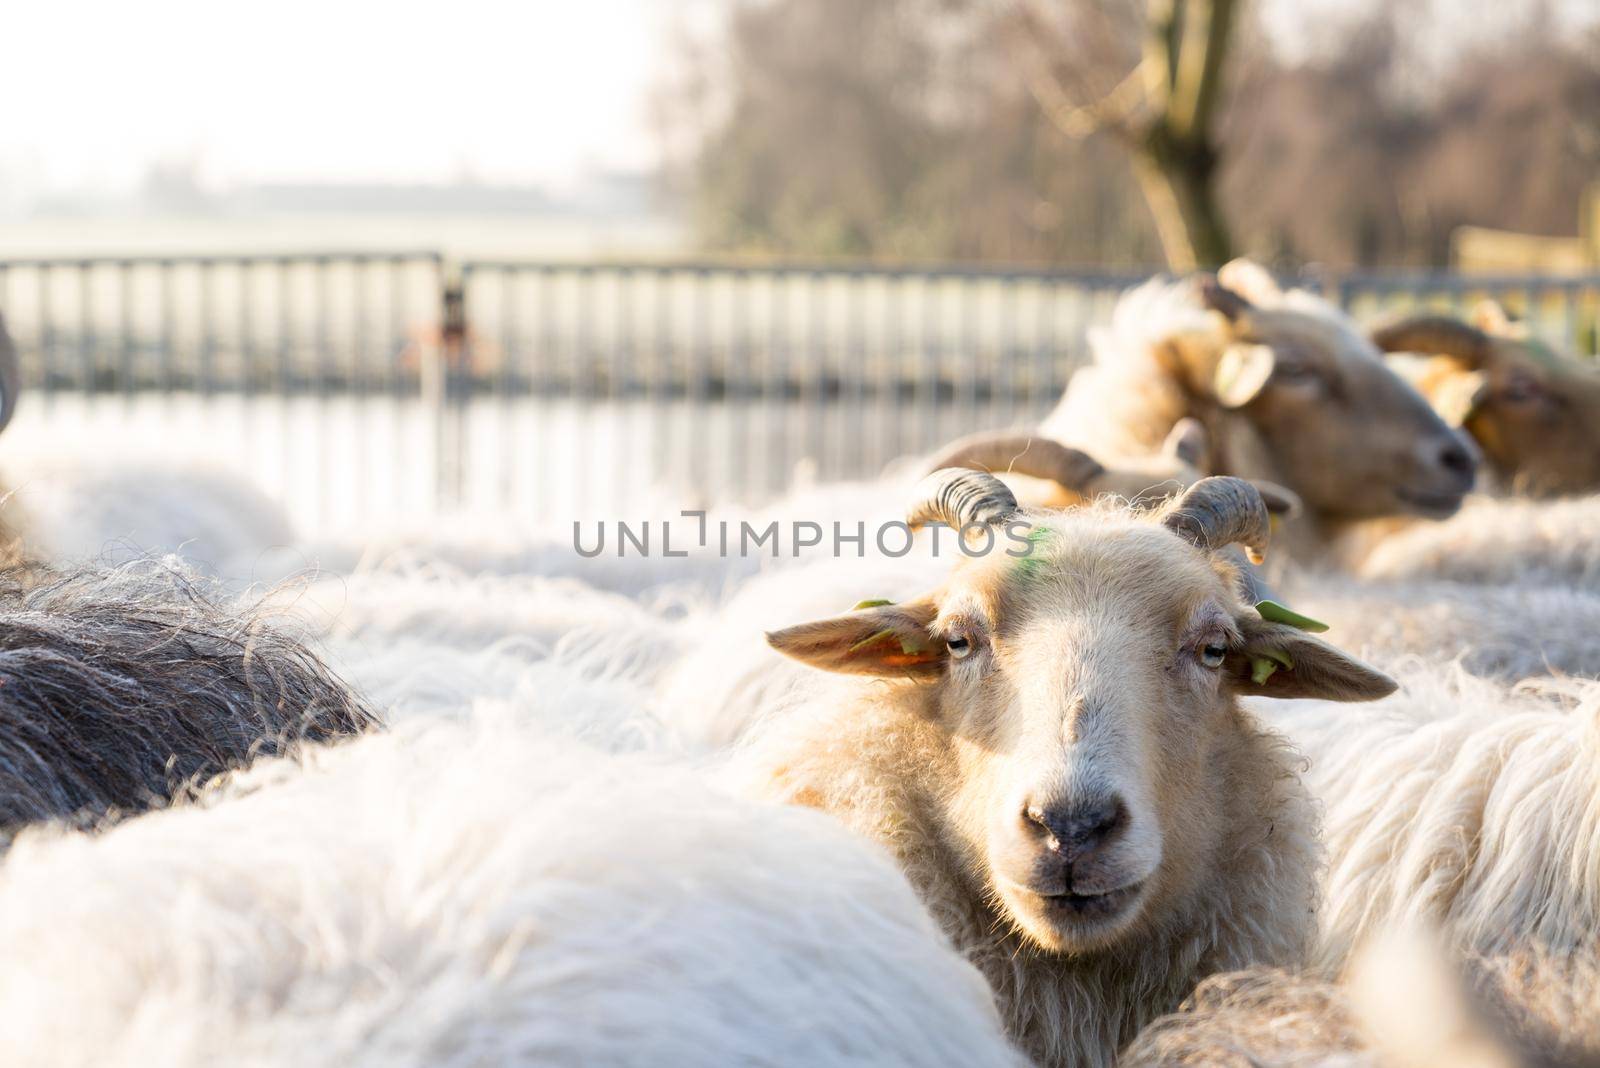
[1434, 335]
[960, 498]
[10, 375]
[1220, 511]
[1028, 454]
[1219, 298]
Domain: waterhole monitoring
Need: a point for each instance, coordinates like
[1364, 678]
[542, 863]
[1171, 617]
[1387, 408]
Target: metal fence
[362, 387]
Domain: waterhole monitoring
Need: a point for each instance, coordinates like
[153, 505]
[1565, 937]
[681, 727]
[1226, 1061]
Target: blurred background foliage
[1015, 130]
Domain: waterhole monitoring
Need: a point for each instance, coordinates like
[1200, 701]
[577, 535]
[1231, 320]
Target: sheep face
[1323, 410]
[1087, 692]
[1535, 415]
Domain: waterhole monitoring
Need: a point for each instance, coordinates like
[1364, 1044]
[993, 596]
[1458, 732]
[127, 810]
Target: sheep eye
[1213, 655]
[960, 648]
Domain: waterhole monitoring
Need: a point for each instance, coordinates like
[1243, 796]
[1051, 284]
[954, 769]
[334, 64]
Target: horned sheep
[1053, 749]
[1287, 388]
[1534, 413]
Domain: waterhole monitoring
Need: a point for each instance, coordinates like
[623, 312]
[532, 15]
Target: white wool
[730, 679]
[1499, 540]
[70, 513]
[476, 894]
[1460, 804]
[1125, 404]
[1508, 632]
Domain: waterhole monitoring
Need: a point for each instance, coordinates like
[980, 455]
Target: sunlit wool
[477, 892]
[1459, 804]
[1504, 541]
[1509, 632]
[1406, 1005]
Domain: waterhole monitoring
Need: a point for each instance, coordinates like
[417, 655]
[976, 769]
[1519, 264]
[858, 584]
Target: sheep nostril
[1458, 460]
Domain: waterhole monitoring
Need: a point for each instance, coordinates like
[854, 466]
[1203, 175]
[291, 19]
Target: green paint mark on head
[871, 602]
[1032, 564]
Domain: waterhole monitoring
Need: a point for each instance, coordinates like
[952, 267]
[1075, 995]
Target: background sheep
[1052, 749]
[1534, 413]
[1289, 391]
[118, 687]
[477, 892]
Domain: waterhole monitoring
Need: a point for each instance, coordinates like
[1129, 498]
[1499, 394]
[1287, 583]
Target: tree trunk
[1178, 178]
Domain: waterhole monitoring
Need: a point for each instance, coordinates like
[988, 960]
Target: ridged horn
[1220, 511]
[1434, 335]
[961, 498]
[1023, 453]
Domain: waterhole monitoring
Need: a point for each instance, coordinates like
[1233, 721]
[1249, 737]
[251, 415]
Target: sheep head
[1334, 423]
[1088, 690]
[1535, 414]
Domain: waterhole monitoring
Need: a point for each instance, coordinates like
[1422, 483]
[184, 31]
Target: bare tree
[1164, 110]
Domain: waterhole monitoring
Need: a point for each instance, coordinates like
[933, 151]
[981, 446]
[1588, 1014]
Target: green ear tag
[872, 602]
[1273, 612]
[1264, 663]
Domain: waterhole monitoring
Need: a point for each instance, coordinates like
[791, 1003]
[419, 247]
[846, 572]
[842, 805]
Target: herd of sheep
[1113, 799]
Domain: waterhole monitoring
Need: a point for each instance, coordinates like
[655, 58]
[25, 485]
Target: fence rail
[360, 386]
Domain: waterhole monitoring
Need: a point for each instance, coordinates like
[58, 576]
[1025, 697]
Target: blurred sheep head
[1533, 412]
[1340, 427]
[1087, 670]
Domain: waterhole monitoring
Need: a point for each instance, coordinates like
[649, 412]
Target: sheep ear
[888, 640]
[1242, 374]
[1279, 660]
[1452, 390]
[1252, 281]
[1490, 316]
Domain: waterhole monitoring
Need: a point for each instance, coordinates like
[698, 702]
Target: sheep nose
[1074, 831]
[1458, 458]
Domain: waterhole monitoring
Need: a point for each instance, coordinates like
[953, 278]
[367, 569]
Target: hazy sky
[93, 91]
[515, 90]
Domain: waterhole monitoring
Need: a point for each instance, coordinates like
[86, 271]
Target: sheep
[1534, 414]
[120, 687]
[1288, 389]
[1464, 804]
[1053, 749]
[477, 891]
[1405, 1006]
